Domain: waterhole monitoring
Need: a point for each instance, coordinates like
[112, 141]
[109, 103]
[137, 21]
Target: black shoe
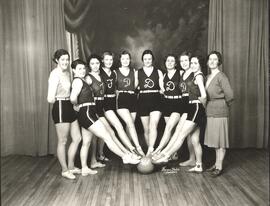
[216, 173]
[211, 169]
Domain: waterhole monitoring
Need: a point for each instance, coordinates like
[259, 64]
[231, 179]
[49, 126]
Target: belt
[62, 98]
[86, 104]
[110, 95]
[98, 98]
[173, 97]
[149, 91]
[128, 91]
[185, 95]
[194, 101]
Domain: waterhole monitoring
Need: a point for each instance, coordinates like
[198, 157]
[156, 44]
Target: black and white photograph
[134, 102]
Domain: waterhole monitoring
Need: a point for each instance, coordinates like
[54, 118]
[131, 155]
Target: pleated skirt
[216, 132]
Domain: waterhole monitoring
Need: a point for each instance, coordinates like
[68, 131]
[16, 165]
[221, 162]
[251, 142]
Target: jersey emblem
[149, 83]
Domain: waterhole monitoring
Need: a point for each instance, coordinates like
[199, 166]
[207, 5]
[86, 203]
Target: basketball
[145, 166]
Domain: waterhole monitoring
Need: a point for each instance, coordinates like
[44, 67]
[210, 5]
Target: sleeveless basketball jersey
[171, 86]
[109, 81]
[193, 89]
[148, 83]
[183, 85]
[125, 83]
[97, 86]
[86, 94]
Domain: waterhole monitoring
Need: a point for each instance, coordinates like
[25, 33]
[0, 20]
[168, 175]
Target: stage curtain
[32, 31]
[79, 16]
[239, 30]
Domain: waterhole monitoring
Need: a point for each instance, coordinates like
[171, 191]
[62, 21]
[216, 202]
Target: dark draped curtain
[77, 21]
[31, 31]
[135, 25]
[239, 30]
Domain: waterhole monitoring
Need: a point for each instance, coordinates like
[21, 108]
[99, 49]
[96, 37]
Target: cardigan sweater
[219, 96]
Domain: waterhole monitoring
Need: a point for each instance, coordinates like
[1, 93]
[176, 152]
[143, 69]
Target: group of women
[102, 96]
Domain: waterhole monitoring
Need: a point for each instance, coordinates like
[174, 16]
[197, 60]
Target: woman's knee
[86, 143]
[62, 141]
[77, 140]
[169, 126]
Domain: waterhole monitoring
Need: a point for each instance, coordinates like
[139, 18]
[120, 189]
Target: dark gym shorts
[87, 116]
[127, 101]
[109, 103]
[149, 102]
[196, 113]
[100, 107]
[185, 105]
[171, 105]
[63, 111]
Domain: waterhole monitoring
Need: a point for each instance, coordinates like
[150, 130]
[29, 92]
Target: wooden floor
[37, 181]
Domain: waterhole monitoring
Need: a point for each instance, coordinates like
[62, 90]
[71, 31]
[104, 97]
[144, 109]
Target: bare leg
[191, 160]
[112, 134]
[99, 130]
[188, 127]
[133, 115]
[126, 116]
[145, 123]
[94, 162]
[100, 153]
[87, 137]
[195, 139]
[62, 130]
[113, 119]
[153, 124]
[75, 134]
[176, 134]
[170, 124]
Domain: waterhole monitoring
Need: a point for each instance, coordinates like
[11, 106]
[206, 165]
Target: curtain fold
[239, 30]
[32, 31]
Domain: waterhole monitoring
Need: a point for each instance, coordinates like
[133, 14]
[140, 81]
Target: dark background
[165, 26]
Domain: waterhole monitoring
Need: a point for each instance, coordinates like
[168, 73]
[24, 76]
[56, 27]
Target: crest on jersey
[170, 86]
[126, 81]
[110, 83]
[183, 87]
[148, 83]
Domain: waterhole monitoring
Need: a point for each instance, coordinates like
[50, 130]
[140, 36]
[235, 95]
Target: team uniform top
[127, 99]
[196, 111]
[171, 86]
[86, 94]
[125, 83]
[172, 101]
[63, 83]
[98, 90]
[87, 113]
[110, 81]
[149, 97]
[97, 86]
[148, 83]
[183, 86]
[192, 88]
[110, 88]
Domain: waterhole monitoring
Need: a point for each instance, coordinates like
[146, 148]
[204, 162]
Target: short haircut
[58, 53]
[93, 56]
[218, 55]
[76, 62]
[185, 53]
[148, 51]
[109, 53]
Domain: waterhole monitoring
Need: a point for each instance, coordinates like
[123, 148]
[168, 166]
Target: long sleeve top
[219, 96]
